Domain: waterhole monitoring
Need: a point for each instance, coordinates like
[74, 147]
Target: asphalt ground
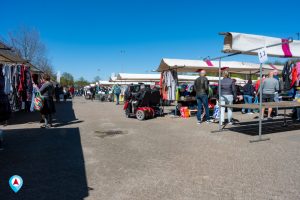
[94, 152]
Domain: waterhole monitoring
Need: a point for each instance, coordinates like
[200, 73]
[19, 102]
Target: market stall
[16, 92]
[263, 46]
[170, 68]
[19, 75]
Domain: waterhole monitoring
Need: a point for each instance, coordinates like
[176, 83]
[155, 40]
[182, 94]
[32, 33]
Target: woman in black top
[47, 92]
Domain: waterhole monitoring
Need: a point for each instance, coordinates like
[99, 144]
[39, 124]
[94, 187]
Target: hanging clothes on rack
[17, 85]
[7, 79]
[287, 75]
[170, 82]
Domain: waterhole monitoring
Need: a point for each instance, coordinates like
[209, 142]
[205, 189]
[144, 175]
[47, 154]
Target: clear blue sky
[85, 35]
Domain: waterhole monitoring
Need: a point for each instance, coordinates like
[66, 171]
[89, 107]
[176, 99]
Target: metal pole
[219, 88]
[261, 112]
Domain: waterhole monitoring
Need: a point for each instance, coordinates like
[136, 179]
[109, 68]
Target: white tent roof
[113, 78]
[182, 65]
[145, 78]
[148, 77]
[108, 83]
[236, 42]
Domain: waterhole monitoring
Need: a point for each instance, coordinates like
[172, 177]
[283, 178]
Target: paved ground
[96, 153]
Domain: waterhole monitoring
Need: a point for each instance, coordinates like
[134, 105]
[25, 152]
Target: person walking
[72, 91]
[228, 94]
[57, 93]
[93, 93]
[269, 87]
[248, 95]
[202, 88]
[117, 92]
[47, 92]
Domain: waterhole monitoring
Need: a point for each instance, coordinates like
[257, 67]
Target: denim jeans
[118, 98]
[276, 99]
[247, 100]
[226, 100]
[202, 100]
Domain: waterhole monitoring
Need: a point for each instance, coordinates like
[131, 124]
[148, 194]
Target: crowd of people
[271, 88]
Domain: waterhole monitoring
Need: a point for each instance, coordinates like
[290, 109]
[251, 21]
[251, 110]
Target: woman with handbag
[48, 108]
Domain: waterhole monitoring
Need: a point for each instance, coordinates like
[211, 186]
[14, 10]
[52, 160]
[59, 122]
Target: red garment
[294, 76]
[22, 79]
[72, 90]
[257, 84]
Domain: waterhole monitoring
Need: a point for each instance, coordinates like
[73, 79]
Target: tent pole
[219, 89]
[219, 99]
[261, 112]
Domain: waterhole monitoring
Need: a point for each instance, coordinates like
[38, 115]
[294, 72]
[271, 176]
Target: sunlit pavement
[94, 152]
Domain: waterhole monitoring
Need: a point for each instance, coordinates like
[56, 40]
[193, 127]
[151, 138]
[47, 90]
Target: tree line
[26, 43]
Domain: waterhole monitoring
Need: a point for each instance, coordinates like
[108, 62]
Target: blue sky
[84, 36]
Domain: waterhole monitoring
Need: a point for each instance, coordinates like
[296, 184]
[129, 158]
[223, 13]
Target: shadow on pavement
[64, 116]
[50, 162]
[268, 127]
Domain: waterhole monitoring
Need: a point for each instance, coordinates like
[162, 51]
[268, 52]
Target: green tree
[67, 79]
[81, 82]
[97, 78]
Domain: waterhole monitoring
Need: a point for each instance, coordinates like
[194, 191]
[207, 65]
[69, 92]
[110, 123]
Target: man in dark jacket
[248, 95]
[201, 88]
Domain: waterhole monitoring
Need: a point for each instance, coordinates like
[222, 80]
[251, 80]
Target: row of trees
[27, 43]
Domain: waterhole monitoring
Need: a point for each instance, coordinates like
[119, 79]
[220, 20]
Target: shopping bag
[216, 112]
[38, 102]
[256, 102]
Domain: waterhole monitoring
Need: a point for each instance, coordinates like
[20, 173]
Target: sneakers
[198, 122]
[46, 126]
[209, 121]
[230, 123]
[250, 113]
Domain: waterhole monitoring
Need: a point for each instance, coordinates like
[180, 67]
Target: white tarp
[108, 83]
[152, 78]
[182, 65]
[236, 42]
[146, 77]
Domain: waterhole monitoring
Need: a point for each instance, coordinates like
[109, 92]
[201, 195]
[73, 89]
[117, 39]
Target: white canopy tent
[181, 65]
[138, 77]
[240, 42]
[152, 78]
[108, 83]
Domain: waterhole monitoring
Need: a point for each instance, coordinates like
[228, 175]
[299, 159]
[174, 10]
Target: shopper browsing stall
[269, 86]
[248, 91]
[47, 92]
[228, 94]
[201, 87]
